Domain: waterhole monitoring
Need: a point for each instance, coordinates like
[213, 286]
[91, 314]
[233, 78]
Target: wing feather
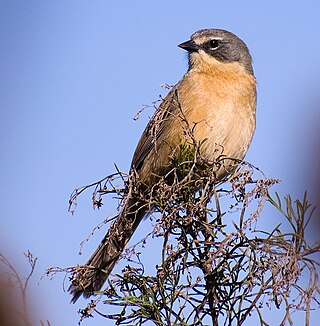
[168, 109]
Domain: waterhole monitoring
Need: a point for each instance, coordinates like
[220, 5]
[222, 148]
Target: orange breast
[218, 107]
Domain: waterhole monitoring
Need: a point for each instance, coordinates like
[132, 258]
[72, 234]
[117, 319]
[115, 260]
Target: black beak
[189, 46]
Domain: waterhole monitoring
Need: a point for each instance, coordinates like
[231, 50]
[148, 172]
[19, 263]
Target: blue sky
[74, 73]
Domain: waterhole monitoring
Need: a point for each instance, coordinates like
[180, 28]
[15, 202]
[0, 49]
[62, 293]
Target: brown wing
[168, 109]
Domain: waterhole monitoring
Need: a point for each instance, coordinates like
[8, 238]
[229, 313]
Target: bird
[216, 98]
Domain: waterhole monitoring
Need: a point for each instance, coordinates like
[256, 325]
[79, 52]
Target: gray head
[222, 45]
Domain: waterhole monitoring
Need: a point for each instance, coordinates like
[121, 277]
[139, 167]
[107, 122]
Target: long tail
[101, 263]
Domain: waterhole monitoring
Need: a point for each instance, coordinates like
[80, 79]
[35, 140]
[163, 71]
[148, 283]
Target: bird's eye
[213, 44]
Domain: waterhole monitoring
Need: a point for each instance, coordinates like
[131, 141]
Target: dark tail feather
[101, 263]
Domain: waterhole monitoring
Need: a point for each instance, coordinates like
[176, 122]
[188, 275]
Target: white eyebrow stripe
[205, 39]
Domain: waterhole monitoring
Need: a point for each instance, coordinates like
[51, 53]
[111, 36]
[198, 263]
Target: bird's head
[213, 47]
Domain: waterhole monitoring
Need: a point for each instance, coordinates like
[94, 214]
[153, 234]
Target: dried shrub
[216, 267]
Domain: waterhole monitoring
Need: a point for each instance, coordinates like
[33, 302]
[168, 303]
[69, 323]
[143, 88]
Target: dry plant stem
[256, 299]
[100, 188]
[22, 284]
